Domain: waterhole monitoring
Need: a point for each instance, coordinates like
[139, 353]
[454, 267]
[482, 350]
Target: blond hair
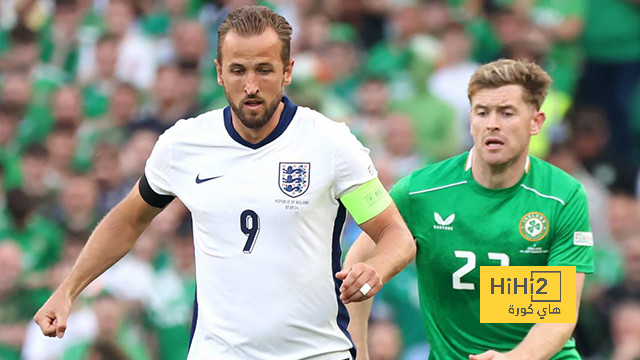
[534, 80]
[252, 21]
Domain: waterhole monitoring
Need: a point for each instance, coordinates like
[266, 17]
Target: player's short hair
[127, 86]
[36, 151]
[22, 35]
[254, 20]
[64, 128]
[63, 3]
[106, 349]
[534, 80]
[19, 205]
[10, 111]
[107, 39]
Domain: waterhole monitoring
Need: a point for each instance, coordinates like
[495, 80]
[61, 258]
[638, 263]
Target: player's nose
[251, 85]
[492, 122]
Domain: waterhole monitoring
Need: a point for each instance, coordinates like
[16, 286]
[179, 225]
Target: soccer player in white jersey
[268, 184]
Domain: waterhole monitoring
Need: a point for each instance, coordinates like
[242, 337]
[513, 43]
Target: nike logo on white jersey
[443, 224]
[200, 181]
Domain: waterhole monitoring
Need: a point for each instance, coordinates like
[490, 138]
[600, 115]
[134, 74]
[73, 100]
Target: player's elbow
[409, 245]
[400, 238]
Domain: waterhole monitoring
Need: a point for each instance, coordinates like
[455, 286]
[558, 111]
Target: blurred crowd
[88, 86]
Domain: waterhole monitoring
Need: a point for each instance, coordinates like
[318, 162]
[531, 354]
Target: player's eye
[237, 71]
[265, 71]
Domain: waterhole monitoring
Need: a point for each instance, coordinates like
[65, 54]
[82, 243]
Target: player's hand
[353, 280]
[490, 355]
[52, 316]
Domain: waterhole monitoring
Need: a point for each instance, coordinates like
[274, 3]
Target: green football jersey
[460, 225]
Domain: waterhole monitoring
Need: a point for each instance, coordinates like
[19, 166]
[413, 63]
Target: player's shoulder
[318, 128]
[550, 180]
[196, 126]
[441, 174]
[313, 120]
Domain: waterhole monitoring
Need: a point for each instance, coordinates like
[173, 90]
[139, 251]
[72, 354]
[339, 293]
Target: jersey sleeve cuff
[151, 197]
[367, 201]
[580, 268]
[584, 269]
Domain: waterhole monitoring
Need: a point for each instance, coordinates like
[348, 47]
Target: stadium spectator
[400, 146]
[612, 67]
[38, 181]
[59, 39]
[98, 87]
[78, 203]
[170, 310]
[168, 103]
[17, 301]
[103, 349]
[368, 123]
[136, 54]
[385, 342]
[137, 150]
[453, 69]
[9, 119]
[39, 238]
[114, 127]
[625, 327]
[628, 290]
[190, 41]
[112, 326]
[67, 106]
[108, 173]
[61, 144]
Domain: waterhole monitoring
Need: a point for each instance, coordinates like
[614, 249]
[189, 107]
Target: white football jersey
[267, 225]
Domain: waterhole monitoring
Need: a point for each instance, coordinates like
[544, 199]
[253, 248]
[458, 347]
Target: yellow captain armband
[367, 201]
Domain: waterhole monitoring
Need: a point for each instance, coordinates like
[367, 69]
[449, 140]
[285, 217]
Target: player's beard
[260, 119]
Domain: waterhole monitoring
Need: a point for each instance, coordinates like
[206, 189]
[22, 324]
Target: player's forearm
[358, 326]
[361, 250]
[543, 341]
[114, 236]
[359, 312]
[394, 250]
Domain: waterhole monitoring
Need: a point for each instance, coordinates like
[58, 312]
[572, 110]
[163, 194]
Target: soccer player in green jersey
[493, 205]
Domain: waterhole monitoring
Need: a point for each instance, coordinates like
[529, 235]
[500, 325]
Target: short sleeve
[400, 195]
[573, 241]
[155, 185]
[352, 165]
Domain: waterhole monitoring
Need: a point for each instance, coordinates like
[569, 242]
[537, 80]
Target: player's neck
[498, 176]
[254, 136]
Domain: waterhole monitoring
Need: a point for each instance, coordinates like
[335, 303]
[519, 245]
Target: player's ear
[288, 73]
[537, 120]
[219, 72]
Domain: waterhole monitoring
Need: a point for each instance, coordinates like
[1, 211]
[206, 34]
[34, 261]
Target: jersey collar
[285, 119]
[491, 192]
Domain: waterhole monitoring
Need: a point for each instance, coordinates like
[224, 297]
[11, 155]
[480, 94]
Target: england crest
[294, 178]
